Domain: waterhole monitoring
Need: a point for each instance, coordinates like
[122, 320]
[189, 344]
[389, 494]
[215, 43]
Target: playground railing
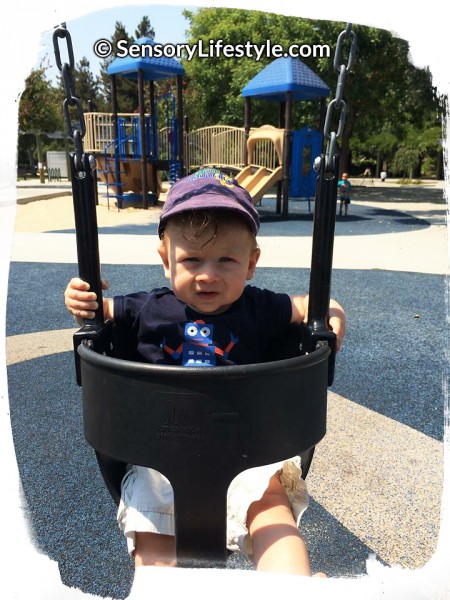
[223, 146]
[100, 129]
[166, 142]
[218, 145]
[202, 147]
[264, 154]
[100, 133]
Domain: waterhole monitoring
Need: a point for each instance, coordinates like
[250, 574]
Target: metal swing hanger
[327, 167]
[83, 175]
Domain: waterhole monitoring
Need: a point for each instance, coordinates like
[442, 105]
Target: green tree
[145, 29]
[87, 87]
[127, 93]
[383, 92]
[418, 144]
[405, 160]
[215, 84]
[39, 111]
[383, 124]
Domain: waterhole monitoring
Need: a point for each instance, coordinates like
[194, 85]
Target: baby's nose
[208, 273]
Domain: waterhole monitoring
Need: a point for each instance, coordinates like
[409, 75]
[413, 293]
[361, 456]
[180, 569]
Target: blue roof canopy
[283, 75]
[154, 67]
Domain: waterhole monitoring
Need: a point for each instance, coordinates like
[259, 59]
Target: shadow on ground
[361, 220]
[392, 362]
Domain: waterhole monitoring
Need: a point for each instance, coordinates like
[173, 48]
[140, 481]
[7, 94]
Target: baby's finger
[338, 328]
[83, 310]
[83, 304]
[83, 314]
[78, 284]
[78, 295]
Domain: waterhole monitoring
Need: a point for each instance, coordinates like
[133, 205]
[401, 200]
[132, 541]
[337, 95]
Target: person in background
[345, 188]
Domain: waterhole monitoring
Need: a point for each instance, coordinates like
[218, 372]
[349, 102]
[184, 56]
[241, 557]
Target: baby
[208, 249]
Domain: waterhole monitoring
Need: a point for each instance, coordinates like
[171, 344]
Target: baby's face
[209, 273]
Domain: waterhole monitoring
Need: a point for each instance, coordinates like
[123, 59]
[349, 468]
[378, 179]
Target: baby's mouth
[209, 294]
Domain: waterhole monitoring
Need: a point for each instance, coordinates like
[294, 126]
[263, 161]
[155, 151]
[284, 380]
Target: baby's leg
[277, 543]
[154, 550]
[145, 515]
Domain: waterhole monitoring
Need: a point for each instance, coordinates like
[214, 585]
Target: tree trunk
[378, 169]
[31, 161]
[344, 154]
[440, 164]
[40, 158]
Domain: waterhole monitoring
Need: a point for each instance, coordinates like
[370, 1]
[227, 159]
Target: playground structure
[119, 158]
[258, 181]
[284, 81]
[130, 150]
[133, 150]
[220, 146]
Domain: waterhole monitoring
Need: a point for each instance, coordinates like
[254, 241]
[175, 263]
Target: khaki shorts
[147, 505]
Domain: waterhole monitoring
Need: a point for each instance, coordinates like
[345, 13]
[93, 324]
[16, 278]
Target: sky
[26, 35]
[167, 21]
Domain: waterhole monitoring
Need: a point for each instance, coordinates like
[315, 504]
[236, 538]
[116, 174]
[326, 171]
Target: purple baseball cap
[209, 189]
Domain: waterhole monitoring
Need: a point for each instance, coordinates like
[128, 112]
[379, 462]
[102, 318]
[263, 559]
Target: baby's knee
[274, 497]
[154, 549]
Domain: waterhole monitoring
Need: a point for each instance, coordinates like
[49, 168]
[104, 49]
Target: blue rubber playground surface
[391, 367]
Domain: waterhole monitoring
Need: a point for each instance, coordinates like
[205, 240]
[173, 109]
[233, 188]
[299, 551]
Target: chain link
[338, 103]
[71, 99]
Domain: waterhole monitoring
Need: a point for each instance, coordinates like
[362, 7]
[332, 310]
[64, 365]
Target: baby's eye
[226, 259]
[190, 259]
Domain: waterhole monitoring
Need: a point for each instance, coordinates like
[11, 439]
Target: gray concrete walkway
[376, 481]
[31, 189]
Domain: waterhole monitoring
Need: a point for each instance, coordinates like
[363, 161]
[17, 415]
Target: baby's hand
[336, 322]
[80, 302]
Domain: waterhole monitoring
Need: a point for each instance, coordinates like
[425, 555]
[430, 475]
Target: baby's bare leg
[154, 550]
[277, 543]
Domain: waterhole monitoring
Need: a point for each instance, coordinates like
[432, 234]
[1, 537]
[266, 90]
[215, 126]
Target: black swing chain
[338, 103]
[71, 99]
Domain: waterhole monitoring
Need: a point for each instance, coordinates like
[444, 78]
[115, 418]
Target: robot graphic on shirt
[198, 349]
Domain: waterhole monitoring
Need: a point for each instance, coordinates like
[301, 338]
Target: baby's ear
[252, 263]
[162, 250]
